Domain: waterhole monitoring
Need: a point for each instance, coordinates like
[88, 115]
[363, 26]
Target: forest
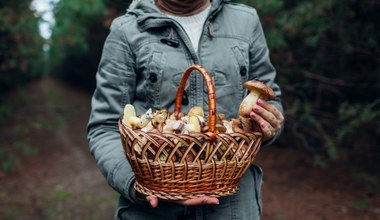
[326, 53]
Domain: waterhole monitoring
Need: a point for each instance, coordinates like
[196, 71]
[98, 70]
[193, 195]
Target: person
[143, 59]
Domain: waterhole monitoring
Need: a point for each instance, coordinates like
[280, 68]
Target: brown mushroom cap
[236, 126]
[265, 91]
[246, 123]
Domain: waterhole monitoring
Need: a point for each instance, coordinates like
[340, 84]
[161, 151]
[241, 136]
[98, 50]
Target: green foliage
[7, 160]
[21, 55]
[78, 36]
[25, 148]
[362, 204]
[354, 117]
[61, 195]
[9, 155]
[5, 113]
[70, 31]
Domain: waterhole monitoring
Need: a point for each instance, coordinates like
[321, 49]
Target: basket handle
[211, 98]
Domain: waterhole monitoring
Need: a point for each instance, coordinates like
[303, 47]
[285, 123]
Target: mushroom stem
[248, 102]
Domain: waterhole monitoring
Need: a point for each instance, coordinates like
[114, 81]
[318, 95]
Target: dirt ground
[51, 174]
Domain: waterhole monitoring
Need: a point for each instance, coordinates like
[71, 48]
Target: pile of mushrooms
[195, 120]
[164, 122]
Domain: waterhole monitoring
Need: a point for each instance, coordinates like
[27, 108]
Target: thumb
[152, 200]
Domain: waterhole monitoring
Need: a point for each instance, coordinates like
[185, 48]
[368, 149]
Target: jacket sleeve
[261, 67]
[115, 87]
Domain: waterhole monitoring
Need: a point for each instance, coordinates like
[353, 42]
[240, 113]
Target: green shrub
[21, 56]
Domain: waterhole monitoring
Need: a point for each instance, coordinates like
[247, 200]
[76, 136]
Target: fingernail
[214, 201]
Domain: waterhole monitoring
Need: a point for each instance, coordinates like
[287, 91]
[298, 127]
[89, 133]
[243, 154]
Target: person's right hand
[203, 200]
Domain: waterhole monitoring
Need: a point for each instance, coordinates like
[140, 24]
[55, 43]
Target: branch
[336, 82]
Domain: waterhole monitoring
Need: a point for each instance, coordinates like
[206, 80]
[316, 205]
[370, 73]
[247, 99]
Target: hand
[203, 200]
[268, 117]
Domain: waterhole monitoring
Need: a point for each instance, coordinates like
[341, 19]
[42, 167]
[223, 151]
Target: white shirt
[193, 25]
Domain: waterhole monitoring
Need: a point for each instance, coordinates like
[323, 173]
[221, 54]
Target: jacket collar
[149, 16]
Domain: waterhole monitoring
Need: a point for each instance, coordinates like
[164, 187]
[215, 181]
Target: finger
[271, 108]
[270, 114]
[266, 128]
[203, 200]
[152, 200]
[266, 115]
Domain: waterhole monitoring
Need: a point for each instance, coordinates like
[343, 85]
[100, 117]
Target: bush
[78, 38]
[21, 57]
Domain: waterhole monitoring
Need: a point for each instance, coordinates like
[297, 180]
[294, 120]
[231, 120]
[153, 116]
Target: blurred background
[326, 165]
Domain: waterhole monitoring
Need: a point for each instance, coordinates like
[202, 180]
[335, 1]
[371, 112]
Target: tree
[78, 36]
[21, 55]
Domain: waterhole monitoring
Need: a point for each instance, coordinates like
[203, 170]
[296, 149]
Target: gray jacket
[142, 63]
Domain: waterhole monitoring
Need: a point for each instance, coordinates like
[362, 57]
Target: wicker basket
[183, 166]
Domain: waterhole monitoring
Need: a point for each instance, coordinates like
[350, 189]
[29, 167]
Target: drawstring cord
[171, 34]
[210, 29]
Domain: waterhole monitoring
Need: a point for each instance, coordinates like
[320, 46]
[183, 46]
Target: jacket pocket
[242, 63]
[152, 80]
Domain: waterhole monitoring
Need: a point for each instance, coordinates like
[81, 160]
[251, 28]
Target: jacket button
[153, 77]
[185, 98]
[243, 71]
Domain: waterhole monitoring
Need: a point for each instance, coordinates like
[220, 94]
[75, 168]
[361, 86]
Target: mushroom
[193, 124]
[159, 119]
[257, 90]
[149, 127]
[219, 127]
[177, 126]
[138, 122]
[188, 128]
[172, 116]
[134, 122]
[202, 121]
[196, 110]
[220, 117]
[145, 118]
[228, 125]
[168, 126]
[237, 126]
[219, 124]
[128, 112]
[246, 123]
[243, 125]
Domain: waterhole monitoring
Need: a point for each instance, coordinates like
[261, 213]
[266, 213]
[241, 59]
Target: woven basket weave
[183, 166]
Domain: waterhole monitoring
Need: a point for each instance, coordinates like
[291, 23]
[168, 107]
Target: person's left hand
[268, 117]
[203, 200]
